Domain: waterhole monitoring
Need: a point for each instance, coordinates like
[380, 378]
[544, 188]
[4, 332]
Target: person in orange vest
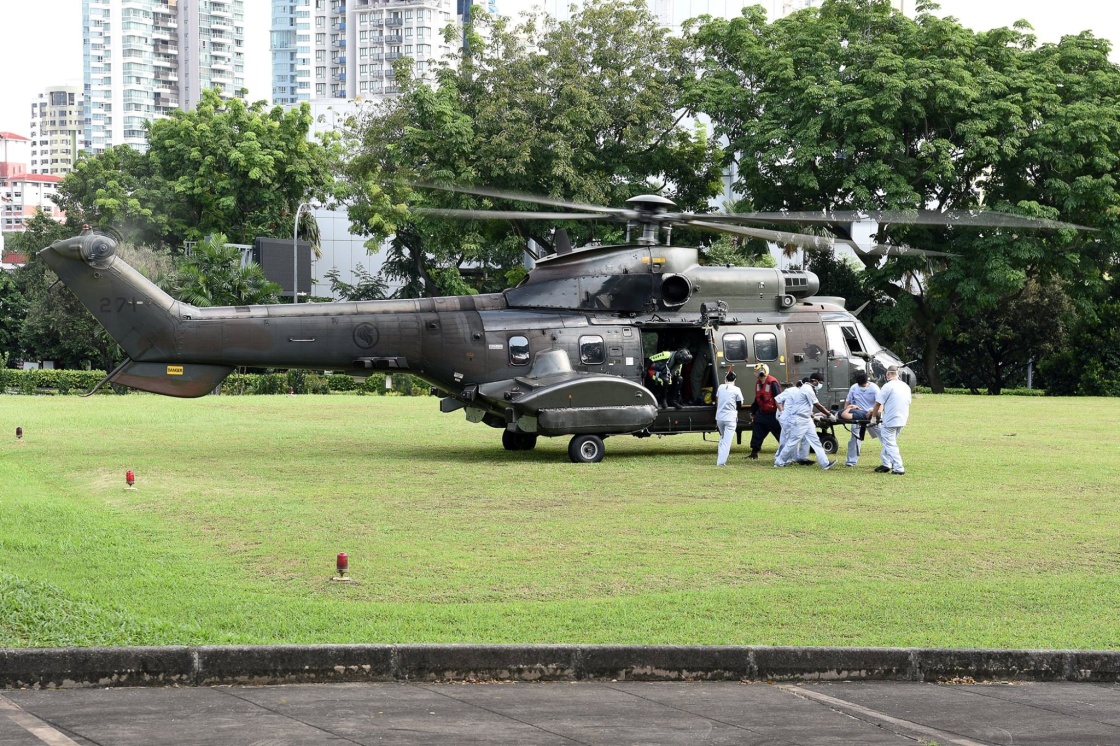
[764, 411]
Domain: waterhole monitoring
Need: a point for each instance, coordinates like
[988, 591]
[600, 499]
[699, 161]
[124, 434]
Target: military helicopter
[565, 353]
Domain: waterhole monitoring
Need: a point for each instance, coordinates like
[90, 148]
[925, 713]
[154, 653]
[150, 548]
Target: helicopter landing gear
[518, 441]
[586, 449]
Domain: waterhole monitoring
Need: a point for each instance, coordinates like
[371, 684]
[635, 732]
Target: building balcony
[394, 39]
[394, 21]
[342, 59]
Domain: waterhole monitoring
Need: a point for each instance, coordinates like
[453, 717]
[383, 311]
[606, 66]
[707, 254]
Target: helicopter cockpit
[849, 339]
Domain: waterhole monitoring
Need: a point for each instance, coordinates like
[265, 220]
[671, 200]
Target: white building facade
[143, 58]
[22, 193]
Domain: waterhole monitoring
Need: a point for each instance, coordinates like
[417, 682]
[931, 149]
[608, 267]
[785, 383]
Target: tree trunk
[929, 359]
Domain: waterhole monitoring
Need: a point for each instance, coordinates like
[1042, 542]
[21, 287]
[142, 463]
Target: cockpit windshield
[870, 344]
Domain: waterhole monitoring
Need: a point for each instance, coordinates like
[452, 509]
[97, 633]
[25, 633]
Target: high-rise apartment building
[344, 49]
[143, 58]
[57, 130]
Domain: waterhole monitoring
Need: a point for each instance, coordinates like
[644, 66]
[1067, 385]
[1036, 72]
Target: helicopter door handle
[798, 357]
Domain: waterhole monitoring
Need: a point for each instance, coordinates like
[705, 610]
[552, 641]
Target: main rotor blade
[983, 218]
[815, 243]
[804, 240]
[439, 212]
[522, 197]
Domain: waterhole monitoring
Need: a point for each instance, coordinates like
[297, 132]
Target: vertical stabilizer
[137, 314]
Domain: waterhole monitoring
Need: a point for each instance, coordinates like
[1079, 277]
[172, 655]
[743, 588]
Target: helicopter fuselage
[565, 353]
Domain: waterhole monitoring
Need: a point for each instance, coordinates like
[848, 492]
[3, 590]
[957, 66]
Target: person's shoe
[678, 405]
[830, 465]
[806, 462]
[900, 473]
[753, 454]
[882, 469]
[849, 464]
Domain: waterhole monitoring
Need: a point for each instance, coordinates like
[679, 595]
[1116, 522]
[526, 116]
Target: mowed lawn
[1005, 531]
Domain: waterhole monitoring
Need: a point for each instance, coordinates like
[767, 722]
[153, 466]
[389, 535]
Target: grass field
[1005, 531]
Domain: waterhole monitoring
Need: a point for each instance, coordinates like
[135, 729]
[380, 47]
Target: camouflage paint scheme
[581, 326]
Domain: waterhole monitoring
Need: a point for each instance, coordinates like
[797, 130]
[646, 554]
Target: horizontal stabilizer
[186, 381]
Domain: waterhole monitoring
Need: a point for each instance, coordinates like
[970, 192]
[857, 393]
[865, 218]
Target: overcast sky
[41, 40]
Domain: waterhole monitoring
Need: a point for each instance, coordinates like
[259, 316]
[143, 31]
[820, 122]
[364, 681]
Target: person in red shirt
[764, 411]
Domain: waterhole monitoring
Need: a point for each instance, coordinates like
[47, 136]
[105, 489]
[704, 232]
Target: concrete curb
[288, 664]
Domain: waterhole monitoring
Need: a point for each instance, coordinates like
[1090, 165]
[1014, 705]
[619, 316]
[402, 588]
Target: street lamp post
[295, 251]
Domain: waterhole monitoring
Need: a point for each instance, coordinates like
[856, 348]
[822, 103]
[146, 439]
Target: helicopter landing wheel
[518, 441]
[831, 446]
[586, 449]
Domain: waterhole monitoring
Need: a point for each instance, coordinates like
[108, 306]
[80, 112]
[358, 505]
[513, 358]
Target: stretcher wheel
[831, 445]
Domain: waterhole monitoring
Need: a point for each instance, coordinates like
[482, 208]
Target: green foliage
[586, 110]
[367, 287]
[991, 350]
[212, 275]
[49, 381]
[303, 382]
[223, 168]
[955, 391]
[1090, 364]
[732, 252]
[853, 105]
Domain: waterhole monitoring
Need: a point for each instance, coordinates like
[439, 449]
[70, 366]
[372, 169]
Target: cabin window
[734, 347]
[591, 350]
[766, 346]
[854, 345]
[518, 351]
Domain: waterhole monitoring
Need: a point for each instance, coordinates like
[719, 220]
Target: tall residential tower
[143, 58]
[344, 49]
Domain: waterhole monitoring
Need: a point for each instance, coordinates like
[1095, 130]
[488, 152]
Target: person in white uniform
[892, 407]
[781, 400]
[857, 406]
[729, 398]
[800, 419]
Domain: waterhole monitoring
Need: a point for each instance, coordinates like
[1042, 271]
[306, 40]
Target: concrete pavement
[859, 712]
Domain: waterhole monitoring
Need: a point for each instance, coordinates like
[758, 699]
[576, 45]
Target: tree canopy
[855, 106]
[225, 167]
[587, 110]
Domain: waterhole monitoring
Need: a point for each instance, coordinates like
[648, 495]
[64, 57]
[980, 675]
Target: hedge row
[299, 381]
[970, 392]
[62, 381]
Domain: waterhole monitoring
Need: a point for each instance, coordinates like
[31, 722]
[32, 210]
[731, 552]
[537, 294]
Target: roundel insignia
[365, 335]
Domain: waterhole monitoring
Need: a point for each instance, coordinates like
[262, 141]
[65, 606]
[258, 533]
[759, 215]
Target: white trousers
[802, 445]
[854, 442]
[802, 436]
[726, 435]
[892, 458]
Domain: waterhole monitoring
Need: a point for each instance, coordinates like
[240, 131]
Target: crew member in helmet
[764, 411]
[676, 364]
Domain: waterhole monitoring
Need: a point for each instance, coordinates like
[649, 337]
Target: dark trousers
[765, 423]
[673, 393]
